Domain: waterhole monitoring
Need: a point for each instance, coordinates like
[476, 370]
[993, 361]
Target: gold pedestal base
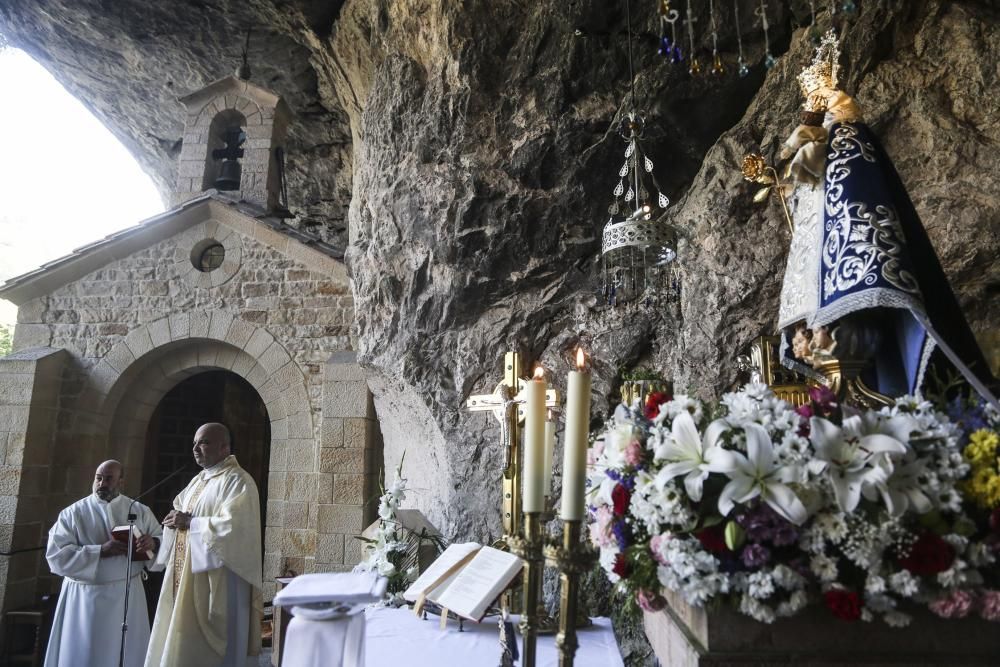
[546, 624]
[844, 380]
[573, 558]
[529, 547]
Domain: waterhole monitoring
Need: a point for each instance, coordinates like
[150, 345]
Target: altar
[398, 637]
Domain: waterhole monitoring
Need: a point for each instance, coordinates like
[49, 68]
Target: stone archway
[209, 396]
[206, 340]
[325, 452]
[138, 372]
[142, 388]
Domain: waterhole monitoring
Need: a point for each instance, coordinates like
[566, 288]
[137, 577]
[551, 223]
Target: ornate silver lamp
[637, 248]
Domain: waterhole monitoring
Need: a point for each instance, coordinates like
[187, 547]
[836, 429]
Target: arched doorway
[211, 396]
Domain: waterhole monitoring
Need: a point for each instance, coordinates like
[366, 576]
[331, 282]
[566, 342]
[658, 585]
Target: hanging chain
[694, 68]
[741, 63]
[762, 13]
[717, 67]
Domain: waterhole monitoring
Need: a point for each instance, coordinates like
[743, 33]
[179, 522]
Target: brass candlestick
[546, 625]
[573, 558]
[506, 404]
[529, 547]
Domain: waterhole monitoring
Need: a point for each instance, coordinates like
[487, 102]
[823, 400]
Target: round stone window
[208, 255]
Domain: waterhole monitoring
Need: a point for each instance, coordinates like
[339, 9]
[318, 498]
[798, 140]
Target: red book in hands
[120, 533]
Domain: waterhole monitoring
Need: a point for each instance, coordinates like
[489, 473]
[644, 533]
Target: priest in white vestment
[210, 604]
[86, 629]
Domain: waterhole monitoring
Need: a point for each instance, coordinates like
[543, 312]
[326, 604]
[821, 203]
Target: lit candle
[534, 443]
[575, 441]
[550, 443]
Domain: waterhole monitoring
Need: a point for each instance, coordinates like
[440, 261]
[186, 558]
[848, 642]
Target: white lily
[604, 492]
[900, 489]
[615, 444]
[757, 474]
[845, 454]
[898, 427]
[687, 453]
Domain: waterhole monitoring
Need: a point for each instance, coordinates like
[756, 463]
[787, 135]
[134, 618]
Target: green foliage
[640, 375]
[6, 339]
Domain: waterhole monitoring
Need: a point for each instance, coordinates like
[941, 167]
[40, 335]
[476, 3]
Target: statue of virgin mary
[862, 278]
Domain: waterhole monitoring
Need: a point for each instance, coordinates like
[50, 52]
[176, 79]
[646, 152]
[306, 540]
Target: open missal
[465, 579]
[120, 533]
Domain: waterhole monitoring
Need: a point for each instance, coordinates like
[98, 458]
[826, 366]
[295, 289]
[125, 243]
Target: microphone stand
[132, 516]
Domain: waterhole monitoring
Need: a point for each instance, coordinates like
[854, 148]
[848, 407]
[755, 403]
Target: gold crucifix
[506, 404]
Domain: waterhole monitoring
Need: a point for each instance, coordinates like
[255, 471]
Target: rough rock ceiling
[129, 61]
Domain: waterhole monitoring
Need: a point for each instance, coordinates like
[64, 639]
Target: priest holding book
[86, 629]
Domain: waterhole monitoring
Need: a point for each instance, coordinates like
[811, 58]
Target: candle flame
[539, 372]
[581, 360]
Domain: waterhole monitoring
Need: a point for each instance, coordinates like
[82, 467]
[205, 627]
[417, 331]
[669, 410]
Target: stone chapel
[212, 311]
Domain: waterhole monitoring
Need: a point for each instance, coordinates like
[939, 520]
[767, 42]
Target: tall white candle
[575, 441]
[550, 443]
[534, 443]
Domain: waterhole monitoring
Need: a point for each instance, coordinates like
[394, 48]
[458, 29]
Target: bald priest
[210, 603]
[86, 629]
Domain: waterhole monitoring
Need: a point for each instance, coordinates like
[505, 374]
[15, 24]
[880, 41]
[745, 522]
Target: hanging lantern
[638, 249]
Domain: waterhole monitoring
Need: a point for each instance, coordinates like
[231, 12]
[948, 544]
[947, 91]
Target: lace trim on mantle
[929, 346]
[878, 297]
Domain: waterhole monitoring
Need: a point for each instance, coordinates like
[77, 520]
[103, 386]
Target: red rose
[621, 567]
[928, 555]
[653, 403]
[713, 539]
[621, 497]
[845, 605]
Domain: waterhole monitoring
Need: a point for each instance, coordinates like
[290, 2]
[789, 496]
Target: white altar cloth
[396, 637]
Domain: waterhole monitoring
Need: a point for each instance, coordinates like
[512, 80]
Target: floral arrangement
[387, 552]
[772, 507]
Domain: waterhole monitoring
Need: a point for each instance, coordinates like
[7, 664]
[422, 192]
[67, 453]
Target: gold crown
[821, 74]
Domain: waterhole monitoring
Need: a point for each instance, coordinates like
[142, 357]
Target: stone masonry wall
[307, 313]
[29, 384]
[265, 131]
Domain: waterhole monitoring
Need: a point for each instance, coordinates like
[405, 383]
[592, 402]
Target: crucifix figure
[505, 404]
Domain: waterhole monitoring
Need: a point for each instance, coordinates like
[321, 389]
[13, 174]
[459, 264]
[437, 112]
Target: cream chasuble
[87, 626]
[210, 604]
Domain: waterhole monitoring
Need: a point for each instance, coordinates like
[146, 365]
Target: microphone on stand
[187, 468]
[132, 516]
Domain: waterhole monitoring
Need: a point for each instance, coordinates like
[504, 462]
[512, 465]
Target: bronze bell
[229, 172]
[229, 176]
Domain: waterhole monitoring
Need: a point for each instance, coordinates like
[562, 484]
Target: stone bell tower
[233, 138]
